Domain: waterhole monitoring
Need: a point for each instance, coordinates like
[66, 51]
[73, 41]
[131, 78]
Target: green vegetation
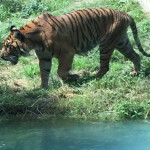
[116, 96]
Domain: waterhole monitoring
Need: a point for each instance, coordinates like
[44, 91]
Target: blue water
[61, 134]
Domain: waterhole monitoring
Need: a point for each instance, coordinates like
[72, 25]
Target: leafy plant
[31, 70]
[131, 109]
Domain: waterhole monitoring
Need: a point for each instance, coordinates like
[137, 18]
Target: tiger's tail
[136, 38]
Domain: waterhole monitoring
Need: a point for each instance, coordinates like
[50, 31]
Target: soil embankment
[145, 4]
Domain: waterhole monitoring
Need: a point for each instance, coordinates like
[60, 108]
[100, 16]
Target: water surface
[61, 134]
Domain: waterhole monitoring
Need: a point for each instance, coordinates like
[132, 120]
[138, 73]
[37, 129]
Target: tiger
[73, 33]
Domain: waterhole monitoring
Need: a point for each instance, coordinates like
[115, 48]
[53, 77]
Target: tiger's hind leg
[124, 46]
[105, 56]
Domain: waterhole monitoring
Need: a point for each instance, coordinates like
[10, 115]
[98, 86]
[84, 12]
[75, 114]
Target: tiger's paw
[72, 77]
[40, 89]
[133, 73]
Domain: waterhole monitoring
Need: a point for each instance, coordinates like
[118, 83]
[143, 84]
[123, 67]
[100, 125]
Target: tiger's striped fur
[76, 32]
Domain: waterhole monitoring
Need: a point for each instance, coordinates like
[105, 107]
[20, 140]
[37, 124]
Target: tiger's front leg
[65, 62]
[45, 67]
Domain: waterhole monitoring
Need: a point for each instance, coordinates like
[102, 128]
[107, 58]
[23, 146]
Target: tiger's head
[14, 46]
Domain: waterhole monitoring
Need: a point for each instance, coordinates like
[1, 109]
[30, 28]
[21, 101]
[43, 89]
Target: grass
[116, 96]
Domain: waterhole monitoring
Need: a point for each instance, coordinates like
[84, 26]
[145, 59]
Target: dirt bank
[145, 5]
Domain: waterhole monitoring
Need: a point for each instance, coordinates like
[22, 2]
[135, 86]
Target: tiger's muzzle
[11, 58]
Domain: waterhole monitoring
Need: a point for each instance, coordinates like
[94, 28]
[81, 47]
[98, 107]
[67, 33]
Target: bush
[24, 8]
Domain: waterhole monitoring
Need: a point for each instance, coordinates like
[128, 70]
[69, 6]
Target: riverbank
[116, 96]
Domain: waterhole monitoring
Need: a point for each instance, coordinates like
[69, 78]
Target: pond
[62, 134]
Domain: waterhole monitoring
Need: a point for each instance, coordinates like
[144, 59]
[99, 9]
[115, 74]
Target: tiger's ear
[17, 34]
[13, 28]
